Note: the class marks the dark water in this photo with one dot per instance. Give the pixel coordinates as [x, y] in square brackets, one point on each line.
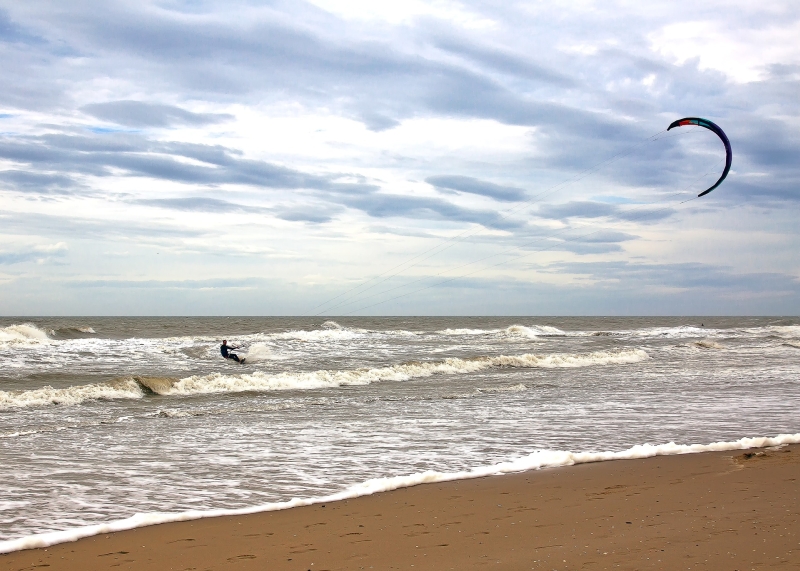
[101, 418]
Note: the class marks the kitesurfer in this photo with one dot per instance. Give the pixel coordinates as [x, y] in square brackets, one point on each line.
[225, 349]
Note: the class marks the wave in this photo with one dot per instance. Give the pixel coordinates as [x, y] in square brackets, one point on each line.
[467, 331]
[531, 331]
[510, 389]
[24, 333]
[73, 332]
[258, 381]
[534, 331]
[708, 344]
[138, 387]
[117, 389]
[534, 461]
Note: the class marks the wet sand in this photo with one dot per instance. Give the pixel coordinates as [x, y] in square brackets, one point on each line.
[719, 510]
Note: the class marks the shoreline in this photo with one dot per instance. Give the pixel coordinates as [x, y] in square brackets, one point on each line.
[534, 461]
[738, 507]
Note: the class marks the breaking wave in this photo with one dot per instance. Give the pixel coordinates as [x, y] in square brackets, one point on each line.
[118, 389]
[73, 332]
[532, 331]
[25, 333]
[534, 461]
[138, 387]
[258, 381]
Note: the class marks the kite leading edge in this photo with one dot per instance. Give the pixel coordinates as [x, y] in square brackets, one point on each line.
[711, 126]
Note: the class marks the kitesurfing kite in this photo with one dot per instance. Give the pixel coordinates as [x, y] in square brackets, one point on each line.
[711, 126]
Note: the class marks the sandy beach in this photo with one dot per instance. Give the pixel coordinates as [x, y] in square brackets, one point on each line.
[719, 510]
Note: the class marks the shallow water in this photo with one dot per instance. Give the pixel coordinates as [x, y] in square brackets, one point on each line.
[101, 418]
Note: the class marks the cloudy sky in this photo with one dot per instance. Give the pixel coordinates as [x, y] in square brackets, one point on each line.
[486, 157]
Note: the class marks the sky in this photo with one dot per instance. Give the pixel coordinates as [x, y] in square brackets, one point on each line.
[337, 157]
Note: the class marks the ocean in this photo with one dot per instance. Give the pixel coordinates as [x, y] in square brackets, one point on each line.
[104, 418]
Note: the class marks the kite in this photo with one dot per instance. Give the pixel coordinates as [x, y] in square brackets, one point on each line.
[711, 126]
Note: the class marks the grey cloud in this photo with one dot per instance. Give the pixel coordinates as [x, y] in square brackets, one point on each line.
[43, 183]
[100, 155]
[38, 254]
[476, 186]
[691, 276]
[381, 205]
[504, 61]
[107, 154]
[600, 242]
[71, 227]
[218, 283]
[586, 209]
[142, 114]
[12, 32]
[314, 213]
[197, 204]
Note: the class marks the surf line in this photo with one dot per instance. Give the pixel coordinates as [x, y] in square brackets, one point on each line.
[630, 216]
[448, 243]
[534, 461]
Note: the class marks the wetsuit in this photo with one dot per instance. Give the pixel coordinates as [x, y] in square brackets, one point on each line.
[225, 350]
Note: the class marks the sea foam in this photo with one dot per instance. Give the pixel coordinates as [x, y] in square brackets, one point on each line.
[534, 461]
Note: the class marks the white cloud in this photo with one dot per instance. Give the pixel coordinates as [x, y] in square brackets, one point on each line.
[742, 53]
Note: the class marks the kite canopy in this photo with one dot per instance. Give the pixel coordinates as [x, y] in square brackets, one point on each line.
[711, 126]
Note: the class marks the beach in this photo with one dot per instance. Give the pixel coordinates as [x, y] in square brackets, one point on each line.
[714, 510]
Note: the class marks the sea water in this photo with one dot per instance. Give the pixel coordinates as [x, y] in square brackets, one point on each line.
[105, 418]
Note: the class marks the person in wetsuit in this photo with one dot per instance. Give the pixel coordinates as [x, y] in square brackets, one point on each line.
[226, 351]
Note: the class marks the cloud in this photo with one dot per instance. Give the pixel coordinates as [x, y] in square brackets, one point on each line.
[39, 254]
[142, 114]
[110, 105]
[683, 276]
[380, 205]
[106, 154]
[587, 209]
[196, 204]
[476, 186]
[40, 183]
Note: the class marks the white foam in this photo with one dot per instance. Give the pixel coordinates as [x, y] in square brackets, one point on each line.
[531, 331]
[122, 389]
[536, 460]
[318, 335]
[257, 353]
[22, 333]
[467, 331]
[674, 332]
